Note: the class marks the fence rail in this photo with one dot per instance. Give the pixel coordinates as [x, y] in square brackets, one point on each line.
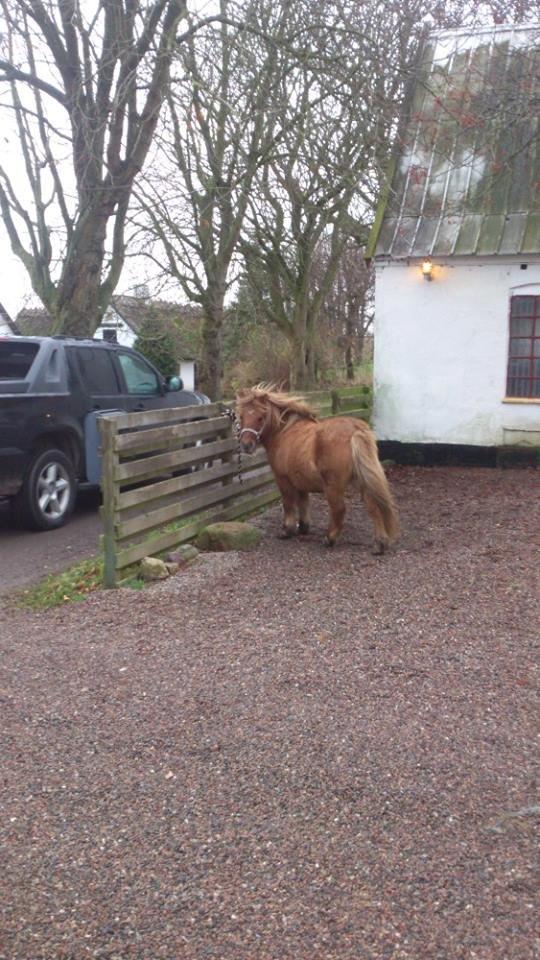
[168, 473]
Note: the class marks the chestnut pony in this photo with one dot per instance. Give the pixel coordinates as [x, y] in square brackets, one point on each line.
[308, 455]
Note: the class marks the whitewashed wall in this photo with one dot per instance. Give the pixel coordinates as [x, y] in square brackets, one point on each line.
[441, 354]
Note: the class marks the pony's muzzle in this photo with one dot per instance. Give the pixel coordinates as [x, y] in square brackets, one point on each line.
[248, 439]
[248, 446]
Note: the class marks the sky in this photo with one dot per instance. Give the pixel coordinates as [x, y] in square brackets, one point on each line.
[15, 288]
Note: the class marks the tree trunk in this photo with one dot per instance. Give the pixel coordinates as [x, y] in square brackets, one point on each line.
[303, 364]
[212, 335]
[78, 305]
[349, 352]
[303, 355]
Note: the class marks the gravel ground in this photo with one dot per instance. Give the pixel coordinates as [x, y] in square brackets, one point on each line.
[292, 753]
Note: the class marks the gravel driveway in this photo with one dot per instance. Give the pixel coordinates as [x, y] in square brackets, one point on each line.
[293, 753]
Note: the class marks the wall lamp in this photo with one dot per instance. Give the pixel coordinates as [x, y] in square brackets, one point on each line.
[427, 269]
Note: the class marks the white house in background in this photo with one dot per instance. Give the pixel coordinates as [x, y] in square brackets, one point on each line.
[456, 246]
[122, 323]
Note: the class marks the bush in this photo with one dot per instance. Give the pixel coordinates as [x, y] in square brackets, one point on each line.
[157, 344]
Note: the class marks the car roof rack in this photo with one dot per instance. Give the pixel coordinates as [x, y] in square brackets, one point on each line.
[69, 336]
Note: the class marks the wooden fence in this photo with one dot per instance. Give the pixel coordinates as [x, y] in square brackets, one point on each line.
[168, 473]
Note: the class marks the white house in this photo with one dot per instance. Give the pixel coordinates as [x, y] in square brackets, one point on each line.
[456, 246]
[122, 323]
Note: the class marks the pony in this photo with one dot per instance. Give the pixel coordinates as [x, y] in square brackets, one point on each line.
[308, 455]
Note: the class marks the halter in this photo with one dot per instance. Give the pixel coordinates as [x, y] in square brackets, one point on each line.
[256, 433]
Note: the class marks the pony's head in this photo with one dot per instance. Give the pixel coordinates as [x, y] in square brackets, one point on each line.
[263, 410]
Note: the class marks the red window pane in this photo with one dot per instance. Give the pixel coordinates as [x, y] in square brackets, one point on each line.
[519, 368]
[521, 326]
[520, 347]
[523, 306]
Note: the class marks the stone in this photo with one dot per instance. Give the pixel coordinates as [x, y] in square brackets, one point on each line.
[182, 555]
[388, 464]
[172, 567]
[231, 535]
[153, 569]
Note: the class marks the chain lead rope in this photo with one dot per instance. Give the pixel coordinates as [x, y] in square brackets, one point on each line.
[229, 412]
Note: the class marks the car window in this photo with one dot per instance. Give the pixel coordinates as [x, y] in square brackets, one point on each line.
[139, 376]
[16, 359]
[97, 371]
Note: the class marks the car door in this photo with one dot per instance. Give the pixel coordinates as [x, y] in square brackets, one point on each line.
[98, 377]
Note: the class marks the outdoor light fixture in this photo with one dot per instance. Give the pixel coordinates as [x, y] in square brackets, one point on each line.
[427, 269]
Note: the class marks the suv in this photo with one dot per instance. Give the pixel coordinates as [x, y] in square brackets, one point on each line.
[52, 390]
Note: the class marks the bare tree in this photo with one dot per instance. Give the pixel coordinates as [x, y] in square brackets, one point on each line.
[214, 137]
[322, 184]
[84, 84]
[347, 311]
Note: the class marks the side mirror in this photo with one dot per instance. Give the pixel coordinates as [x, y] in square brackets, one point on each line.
[174, 383]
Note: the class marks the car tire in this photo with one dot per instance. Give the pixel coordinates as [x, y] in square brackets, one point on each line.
[47, 497]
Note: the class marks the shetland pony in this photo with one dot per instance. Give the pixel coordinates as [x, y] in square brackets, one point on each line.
[308, 455]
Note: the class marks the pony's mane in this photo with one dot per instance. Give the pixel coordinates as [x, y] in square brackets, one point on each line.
[286, 405]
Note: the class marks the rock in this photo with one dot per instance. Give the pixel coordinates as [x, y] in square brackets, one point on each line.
[153, 569]
[172, 567]
[229, 536]
[182, 555]
[388, 464]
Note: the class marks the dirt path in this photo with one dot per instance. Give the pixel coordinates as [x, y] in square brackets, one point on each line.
[293, 753]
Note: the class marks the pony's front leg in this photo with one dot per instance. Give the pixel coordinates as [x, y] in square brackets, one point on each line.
[289, 499]
[303, 513]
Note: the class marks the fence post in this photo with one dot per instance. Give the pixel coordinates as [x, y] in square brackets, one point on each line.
[336, 402]
[108, 431]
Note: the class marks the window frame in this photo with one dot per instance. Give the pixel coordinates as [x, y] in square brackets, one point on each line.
[80, 352]
[532, 381]
[126, 352]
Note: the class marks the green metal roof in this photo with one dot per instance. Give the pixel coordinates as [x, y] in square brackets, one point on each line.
[465, 178]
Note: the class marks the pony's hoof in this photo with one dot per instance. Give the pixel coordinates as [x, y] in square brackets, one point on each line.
[379, 547]
[286, 534]
[328, 542]
[303, 528]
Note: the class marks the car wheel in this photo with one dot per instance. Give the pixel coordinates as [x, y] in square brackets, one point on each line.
[47, 497]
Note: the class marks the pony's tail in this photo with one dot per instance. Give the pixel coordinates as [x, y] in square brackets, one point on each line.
[371, 479]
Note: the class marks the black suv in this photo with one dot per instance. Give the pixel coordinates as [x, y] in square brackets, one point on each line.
[52, 390]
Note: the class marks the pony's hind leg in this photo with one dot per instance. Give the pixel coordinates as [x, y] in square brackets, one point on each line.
[381, 540]
[336, 501]
[303, 512]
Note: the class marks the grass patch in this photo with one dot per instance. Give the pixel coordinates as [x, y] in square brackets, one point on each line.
[75, 583]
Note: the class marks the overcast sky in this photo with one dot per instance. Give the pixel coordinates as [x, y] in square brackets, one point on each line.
[14, 282]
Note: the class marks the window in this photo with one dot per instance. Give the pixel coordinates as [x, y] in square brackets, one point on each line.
[97, 371]
[16, 359]
[139, 376]
[524, 348]
[109, 334]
